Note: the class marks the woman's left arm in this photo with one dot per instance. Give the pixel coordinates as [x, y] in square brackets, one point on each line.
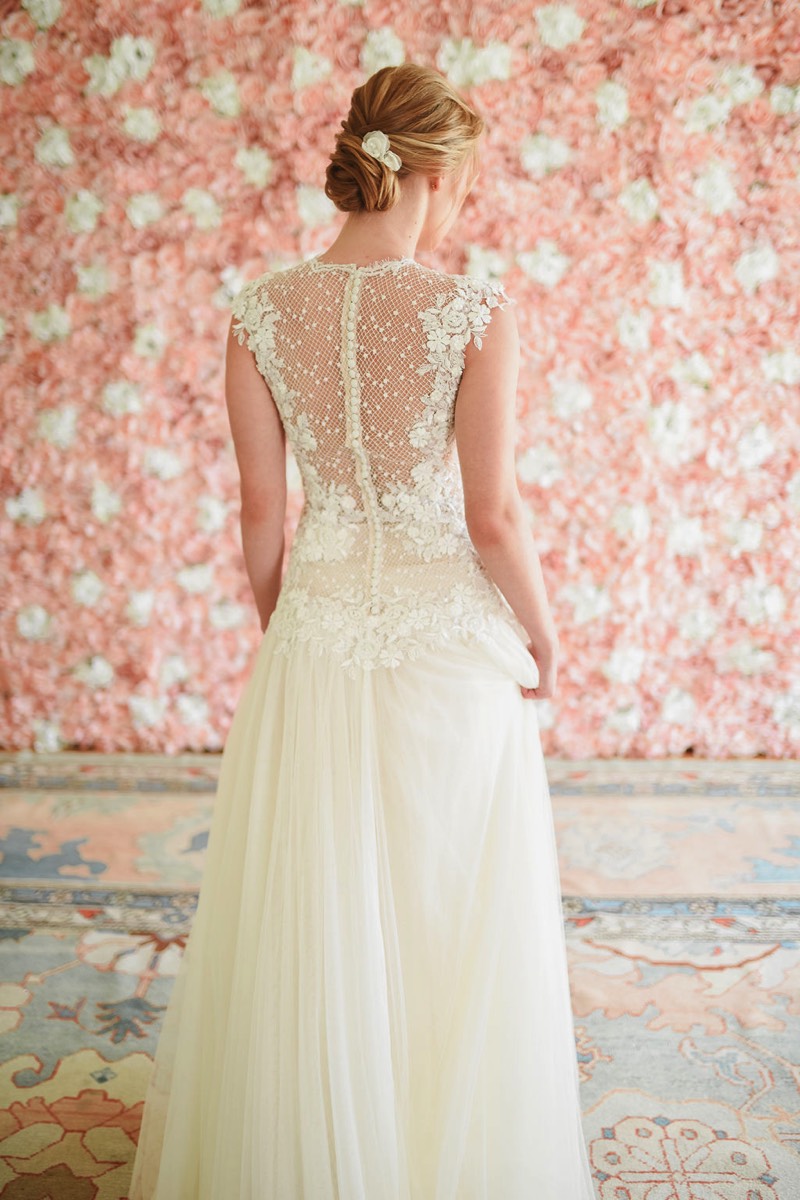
[260, 444]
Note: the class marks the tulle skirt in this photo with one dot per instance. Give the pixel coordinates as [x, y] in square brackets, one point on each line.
[373, 1003]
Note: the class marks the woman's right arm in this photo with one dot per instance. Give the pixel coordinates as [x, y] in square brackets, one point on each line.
[485, 431]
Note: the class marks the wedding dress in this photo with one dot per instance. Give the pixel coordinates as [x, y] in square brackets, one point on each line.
[373, 1002]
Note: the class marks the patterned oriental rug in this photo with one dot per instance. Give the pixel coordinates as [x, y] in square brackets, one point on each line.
[681, 900]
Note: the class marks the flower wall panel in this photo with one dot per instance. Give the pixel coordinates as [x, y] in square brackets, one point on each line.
[639, 199]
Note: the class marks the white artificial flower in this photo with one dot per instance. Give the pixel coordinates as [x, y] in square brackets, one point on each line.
[559, 25]
[540, 464]
[698, 623]
[546, 264]
[192, 709]
[106, 503]
[569, 397]
[678, 707]
[784, 99]
[149, 341]
[485, 263]
[34, 623]
[624, 664]
[173, 670]
[162, 463]
[28, 508]
[686, 537]
[740, 82]
[196, 577]
[760, 602]
[212, 514]
[782, 366]
[793, 490]
[16, 61]
[106, 75]
[313, 206]
[135, 55]
[714, 188]
[667, 288]
[87, 588]
[9, 209]
[541, 154]
[589, 600]
[745, 535]
[57, 425]
[380, 48]
[95, 671]
[755, 266]
[755, 446]
[707, 112]
[47, 736]
[632, 520]
[255, 164]
[53, 148]
[633, 329]
[143, 208]
[147, 711]
[627, 719]
[94, 280]
[43, 13]
[771, 515]
[670, 426]
[613, 109]
[226, 614]
[142, 124]
[203, 207]
[121, 396]
[640, 200]
[468, 65]
[222, 93]
[139, 608]
[693, 369]
[748, 659]
[786, 710]
[52, 324]
[308, 67]
[232, 283]
[221, 8]
[82, 210]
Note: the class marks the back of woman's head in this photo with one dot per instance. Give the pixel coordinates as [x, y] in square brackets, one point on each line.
[430, 127]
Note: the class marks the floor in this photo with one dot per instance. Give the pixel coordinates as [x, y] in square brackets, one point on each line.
[681, 900]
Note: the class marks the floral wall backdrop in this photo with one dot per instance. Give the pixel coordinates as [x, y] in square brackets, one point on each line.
[639, 198]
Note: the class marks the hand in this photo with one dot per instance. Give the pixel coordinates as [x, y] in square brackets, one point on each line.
[546, 659]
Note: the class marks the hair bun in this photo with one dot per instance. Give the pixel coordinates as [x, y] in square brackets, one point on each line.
[441, 134]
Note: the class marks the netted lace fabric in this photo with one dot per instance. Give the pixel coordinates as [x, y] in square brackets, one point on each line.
[364, 364]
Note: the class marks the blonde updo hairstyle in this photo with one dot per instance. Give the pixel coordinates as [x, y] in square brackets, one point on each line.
[430, 127]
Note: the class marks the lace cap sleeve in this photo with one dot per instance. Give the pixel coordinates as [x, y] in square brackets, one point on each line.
[245, 309]
[484, 295]
[256, 318]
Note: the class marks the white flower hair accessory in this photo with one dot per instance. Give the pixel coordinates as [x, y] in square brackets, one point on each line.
[377, 144]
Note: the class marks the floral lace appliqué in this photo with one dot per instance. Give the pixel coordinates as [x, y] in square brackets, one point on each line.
[381, 565]
[403, 628]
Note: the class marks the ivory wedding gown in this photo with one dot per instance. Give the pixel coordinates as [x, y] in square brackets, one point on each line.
[373, 1003]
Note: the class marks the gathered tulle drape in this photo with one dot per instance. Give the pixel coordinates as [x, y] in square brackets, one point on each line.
[374, 1003]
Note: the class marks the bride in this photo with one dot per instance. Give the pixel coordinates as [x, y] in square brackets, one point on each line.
[374, 1002]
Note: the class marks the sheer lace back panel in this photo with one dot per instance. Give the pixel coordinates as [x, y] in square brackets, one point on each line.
[364, 365]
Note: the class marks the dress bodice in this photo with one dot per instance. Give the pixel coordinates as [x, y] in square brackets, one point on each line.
[364, 365]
